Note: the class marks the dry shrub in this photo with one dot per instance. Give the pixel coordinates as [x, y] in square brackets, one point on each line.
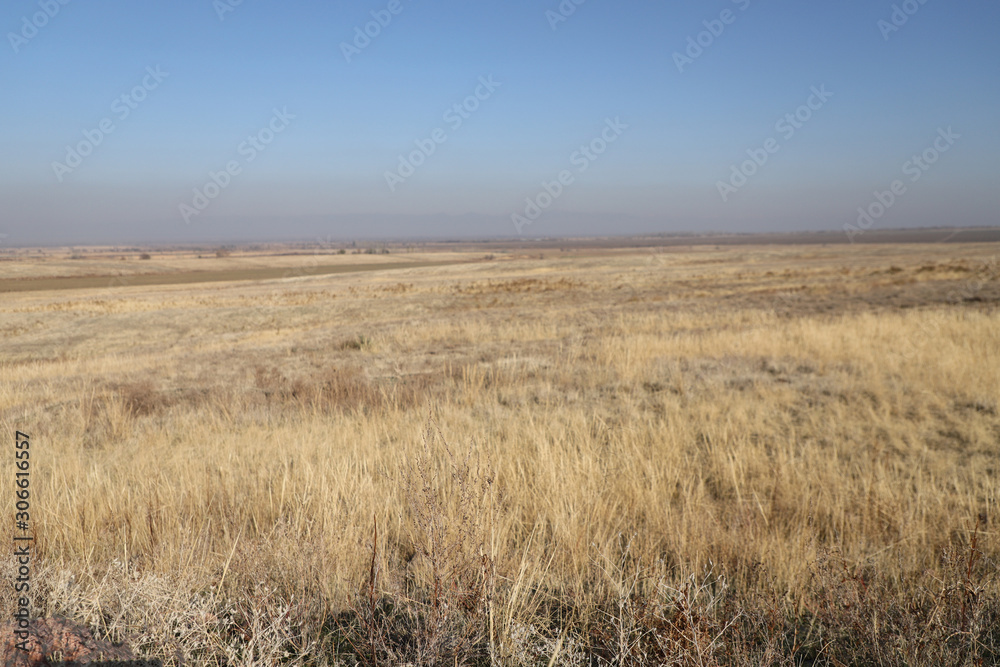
[107, 415]
[282, 570]
[439, 611]
[359, 342]
[142, 397]
[859, 616]
[182, 619]
[852, 616]
[643, 615]
[345, 388]
[158, 616]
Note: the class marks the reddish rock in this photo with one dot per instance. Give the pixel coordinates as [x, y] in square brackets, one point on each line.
[54, 641]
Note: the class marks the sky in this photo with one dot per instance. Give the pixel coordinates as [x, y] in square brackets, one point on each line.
[248, 120]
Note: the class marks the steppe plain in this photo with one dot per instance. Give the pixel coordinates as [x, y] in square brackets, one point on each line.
[704, 452]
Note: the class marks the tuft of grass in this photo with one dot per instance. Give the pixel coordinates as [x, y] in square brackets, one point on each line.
[359, 342]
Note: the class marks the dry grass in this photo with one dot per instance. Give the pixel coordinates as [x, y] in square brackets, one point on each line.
[745, 456]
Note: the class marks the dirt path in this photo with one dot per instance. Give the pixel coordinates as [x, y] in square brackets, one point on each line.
[189, 277]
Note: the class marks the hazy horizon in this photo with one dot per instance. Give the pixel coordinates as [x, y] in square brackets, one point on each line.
[212, 120]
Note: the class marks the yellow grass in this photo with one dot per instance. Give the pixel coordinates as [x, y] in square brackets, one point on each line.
[749, 410]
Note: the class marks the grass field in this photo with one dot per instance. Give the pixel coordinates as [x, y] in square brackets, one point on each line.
[733, 455]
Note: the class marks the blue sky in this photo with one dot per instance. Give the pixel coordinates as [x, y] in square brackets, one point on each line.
[677, 160]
